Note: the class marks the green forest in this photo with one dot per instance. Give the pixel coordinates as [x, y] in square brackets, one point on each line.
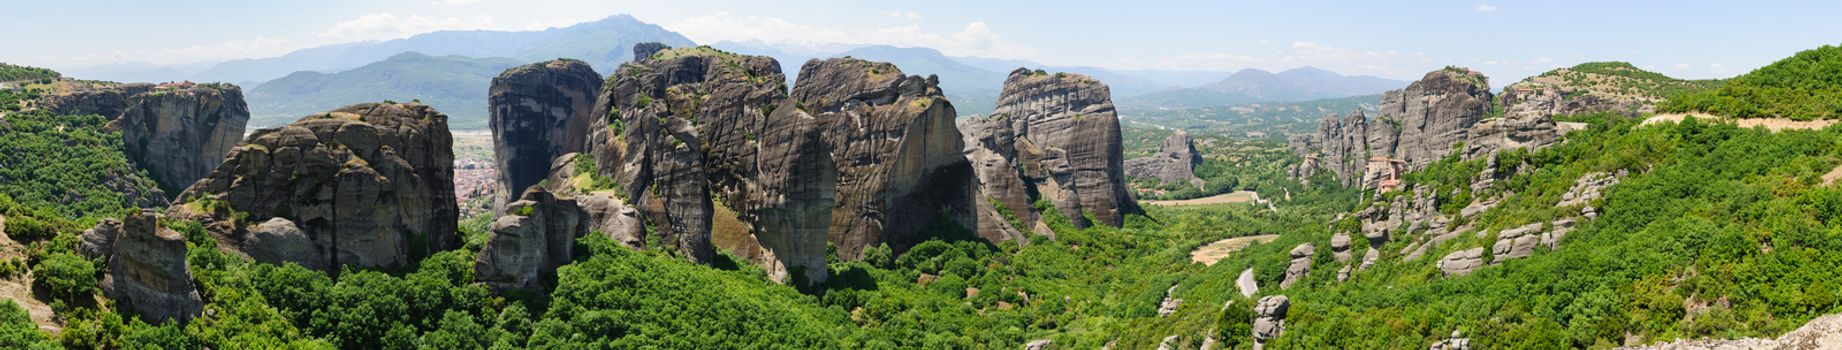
[1806, 86]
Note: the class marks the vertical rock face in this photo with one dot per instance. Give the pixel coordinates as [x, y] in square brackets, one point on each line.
[1059, 136]
[681, 126]
[895, 149]
[1175, 161]
[369, 185]
[1415, 127]
[148, 272]
[538, 112]
[178, 132]
[1300, 265]
[536, 235]
[606, 212]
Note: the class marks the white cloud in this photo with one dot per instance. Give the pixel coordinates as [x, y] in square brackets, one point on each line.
[975, 39]
[900, 14]
[1484, 8]
[379, 26]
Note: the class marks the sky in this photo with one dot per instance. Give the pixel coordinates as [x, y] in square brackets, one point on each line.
[1392, 39]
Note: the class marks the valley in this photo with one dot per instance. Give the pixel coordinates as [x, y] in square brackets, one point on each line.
[613, 184]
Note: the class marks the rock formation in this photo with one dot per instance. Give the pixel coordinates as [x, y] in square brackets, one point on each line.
[607, 212]
[178, 132]
[1594, 87]
[1270, 318]
[1170, 303]
[1414, 127]
[1055, 137]
[1301, 264]
[1175, 162]
[536, 235]
[895, 152]
[147, 268]
[1455, 342]
[680, 126]
[538, 112]
[368, 185]
[1462, 262]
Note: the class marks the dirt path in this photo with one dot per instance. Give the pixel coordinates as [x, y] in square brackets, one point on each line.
[19, 288]
[1213, 252]
[1773, 124]
[1231, 197]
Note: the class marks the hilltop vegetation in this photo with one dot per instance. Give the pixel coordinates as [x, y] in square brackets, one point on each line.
[1806, 86]
[1621, 78]
[10, 72]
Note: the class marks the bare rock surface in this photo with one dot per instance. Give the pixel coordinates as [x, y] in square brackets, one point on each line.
[1820, 333]
[1056, 135]
[539, 112]
[1462, 262]
[1301, 264]
[369, 185]
[148, 271]
[1270, 318]
[536, 235]
[1175, 162]
[178, 132]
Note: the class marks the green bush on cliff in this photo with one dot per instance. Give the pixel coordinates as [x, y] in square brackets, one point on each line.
[1803, 87]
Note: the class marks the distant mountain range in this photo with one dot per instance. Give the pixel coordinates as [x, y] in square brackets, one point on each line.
[455, 85]
[1254, 85]
[452, 71]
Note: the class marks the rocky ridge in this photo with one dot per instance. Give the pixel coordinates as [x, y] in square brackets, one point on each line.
[1175, 162]
[369, 185]
[178, 132]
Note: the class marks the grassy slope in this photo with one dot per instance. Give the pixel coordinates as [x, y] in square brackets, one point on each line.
[1806, 86]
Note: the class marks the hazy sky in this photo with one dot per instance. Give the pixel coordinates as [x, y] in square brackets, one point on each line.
[1394, 39]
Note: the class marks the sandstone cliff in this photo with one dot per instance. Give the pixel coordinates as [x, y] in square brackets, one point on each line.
[1415, 127]
[536, 235]
[368, 185]
[178, 132]
[147, 269]
[1055, 137]
[538, 112]
[1175, 162]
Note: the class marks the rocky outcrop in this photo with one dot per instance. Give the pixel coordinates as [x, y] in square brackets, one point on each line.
[1455, 342]
[607, 213]
[178, 132]
[1039, 344]
[1170, 303]
[538, 112]
[1594, 87]
[1414, 127]
[1175, 162]
[895, 151]
[645, 50]
[681, 134]
[148, 271]
[536, 235]
[1821, 333]
[1462, 262]
[1055, 137]
[1270, 318]
[368, 185]
[1300, 265]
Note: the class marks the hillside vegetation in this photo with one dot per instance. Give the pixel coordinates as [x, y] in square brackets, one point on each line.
[1806, 86]
[454, 84]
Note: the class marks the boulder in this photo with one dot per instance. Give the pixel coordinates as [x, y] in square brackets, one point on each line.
[1340, 246]
[98, 241]
[148, 272]
[369, 185]
[1039, 344]
[1453, 343]
[536, 235]
[1462, 262]
[1270, 318]
[1175, 162]
[1516, 243]
[538, 112]
[178, 132]
[1301, 264]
